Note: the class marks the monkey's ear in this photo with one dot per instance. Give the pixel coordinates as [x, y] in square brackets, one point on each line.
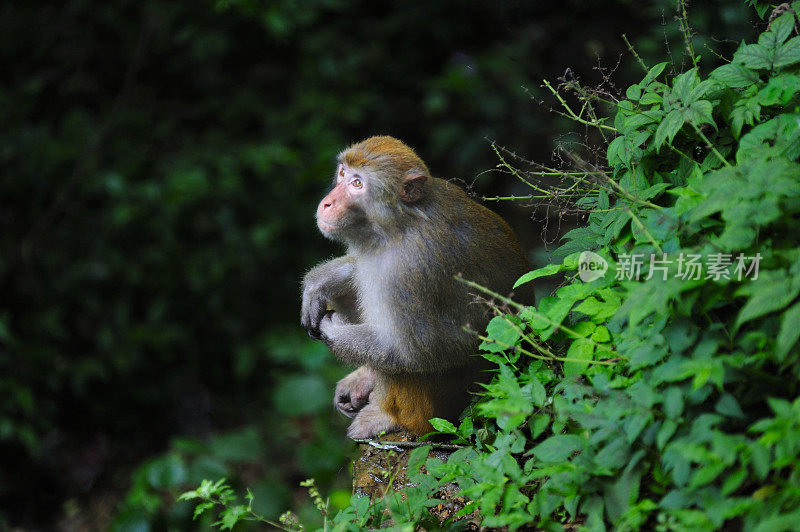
[412, 186]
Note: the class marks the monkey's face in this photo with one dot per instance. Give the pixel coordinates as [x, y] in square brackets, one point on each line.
[342, 209]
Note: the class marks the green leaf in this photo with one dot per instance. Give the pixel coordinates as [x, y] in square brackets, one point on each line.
[706, 474]
[779, 137]
[200, 508]
[581, 349]
[501, 334]
[417, 458]
[666, 432]
[769, 293]
[442, 425]
[700, 90]
[673, 402]
[619, 495]
[728, 406]
[653, 73]
[779, 90]
[787, 54]
[466, 427]
[538, 392]
[683, 85]
[789, 332]
[582, 329]
[735, 75]
[699, 113]
[550, 269]
[601, 335]
[733, 481]
[551, 312]
[614, 454]
[540, 423]
[558, 448]
[759, 458]
[633, 92]
[651, 98]
[668, 128]
[782, 27]
[231, 516]
[754, 56]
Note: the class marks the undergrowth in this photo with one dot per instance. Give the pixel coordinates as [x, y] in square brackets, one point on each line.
[657, 388]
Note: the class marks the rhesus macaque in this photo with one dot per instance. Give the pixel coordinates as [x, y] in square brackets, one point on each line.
[391, 305]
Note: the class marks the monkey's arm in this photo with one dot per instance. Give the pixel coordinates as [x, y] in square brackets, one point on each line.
[322, 286]
[433, 346]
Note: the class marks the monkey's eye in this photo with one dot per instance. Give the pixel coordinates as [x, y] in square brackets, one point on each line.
[341, 172]
[357, 183]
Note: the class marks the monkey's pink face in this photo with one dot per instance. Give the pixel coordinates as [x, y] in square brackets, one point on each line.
[340, 207]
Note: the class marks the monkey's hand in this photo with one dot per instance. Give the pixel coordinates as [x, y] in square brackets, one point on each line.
[331, 326]
[322, 287]
[353, 392]
[314, 308]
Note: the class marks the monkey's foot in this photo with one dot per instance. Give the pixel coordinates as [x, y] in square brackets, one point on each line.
[370, 422]
[353, 392]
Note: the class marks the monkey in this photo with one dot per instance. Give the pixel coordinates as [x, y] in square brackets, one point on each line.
[392, 305]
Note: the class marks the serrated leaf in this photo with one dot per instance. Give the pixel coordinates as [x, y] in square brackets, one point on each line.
[735, 75]
[684, 83]
[700, 90]
[782, 27]
[754, 56]
[651, 98]
[501, 334]
[668, 128]
[700, 113]
[200, 508]
[787, 54]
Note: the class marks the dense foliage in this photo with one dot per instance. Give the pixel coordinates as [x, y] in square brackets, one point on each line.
[663, 394]
[694, 426]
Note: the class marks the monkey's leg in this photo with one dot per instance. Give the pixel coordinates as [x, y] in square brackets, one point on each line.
[370, 422]
[353, 392]
[410, 400]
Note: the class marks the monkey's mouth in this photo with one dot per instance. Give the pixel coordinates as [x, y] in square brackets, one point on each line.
[326, 227]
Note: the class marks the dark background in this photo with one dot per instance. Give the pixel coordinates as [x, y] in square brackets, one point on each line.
[160, 163]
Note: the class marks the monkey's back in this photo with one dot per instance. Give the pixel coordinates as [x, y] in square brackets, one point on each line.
[490, 252]
[450, 235]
